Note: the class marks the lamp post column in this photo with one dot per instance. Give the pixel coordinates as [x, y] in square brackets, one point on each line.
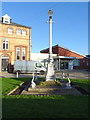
[50, 35]
[50, 67]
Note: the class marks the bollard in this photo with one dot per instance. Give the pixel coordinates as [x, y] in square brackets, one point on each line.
[17, 74]
[63, 74]
[67, 75]
[33, 76]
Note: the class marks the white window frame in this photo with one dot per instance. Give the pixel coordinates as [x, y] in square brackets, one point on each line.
[24, 32]
[17, 51]
[5, 44]
[23, 53]
[18, 32]
[6, 20]
[9, 30]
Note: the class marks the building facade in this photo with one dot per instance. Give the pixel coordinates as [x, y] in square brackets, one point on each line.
[68, 59]
[15, 42]
[41, 57]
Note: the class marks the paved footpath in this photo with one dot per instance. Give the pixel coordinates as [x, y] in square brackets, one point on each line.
[11, 75]
[75, 74]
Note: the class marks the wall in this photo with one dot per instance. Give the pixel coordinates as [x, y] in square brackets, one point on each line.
[42, 57]
[15, 41]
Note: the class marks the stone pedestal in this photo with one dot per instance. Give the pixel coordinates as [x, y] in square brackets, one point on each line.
[50, 72]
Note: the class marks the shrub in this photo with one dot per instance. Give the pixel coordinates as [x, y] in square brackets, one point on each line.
[42, 83]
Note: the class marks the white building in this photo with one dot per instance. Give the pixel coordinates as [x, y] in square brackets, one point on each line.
[58, 60]
[41, 57]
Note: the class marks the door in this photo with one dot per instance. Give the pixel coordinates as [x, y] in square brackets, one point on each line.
[70, 65]
[5, 63]
[64, 65]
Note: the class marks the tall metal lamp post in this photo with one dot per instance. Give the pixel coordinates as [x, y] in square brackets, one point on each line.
[50, 67]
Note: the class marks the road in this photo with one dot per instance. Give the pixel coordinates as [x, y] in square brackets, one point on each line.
[75, 74]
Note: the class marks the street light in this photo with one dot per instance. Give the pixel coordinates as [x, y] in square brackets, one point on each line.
[50, 67]
[50, 12]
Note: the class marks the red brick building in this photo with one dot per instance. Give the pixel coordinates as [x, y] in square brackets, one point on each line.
[79, 61]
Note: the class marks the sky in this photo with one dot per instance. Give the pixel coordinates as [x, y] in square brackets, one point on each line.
[70, 27]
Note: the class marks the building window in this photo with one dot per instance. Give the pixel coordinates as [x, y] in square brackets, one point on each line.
[5, 44]
[24, 32]
[6, 20]
[17, 53]
[38, 65]
[23, 53]
[76, 62]
[18, 32]
[9, 30]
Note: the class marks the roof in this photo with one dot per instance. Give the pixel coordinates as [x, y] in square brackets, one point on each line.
[63, 48]
[15, 24]
[71, 50]
[6, 15]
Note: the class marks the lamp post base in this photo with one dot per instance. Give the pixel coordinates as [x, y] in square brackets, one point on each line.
[50, 76]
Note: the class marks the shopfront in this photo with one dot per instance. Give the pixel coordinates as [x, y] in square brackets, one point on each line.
[62, 62]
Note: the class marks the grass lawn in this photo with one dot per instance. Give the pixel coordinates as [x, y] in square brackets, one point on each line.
[84, 83]
[26, 106]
